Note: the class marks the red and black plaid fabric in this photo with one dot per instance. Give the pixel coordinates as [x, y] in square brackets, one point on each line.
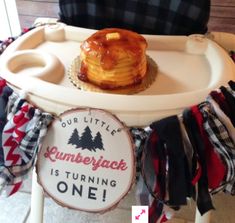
[22, 128]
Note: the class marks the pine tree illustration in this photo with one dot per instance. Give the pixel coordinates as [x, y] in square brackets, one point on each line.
[98, 143]
[74, 139]
[86, 141]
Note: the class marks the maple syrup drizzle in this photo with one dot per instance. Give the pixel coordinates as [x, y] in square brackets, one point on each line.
[109, 50]
[131, 42]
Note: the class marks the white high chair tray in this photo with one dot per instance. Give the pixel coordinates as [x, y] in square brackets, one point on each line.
[188, 69]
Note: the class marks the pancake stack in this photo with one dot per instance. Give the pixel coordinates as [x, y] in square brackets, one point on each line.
[113, 59]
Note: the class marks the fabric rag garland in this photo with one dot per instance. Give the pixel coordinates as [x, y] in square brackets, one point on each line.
[23, 127]
[191, 155]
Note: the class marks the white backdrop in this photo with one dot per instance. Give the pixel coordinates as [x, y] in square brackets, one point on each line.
[9, 20]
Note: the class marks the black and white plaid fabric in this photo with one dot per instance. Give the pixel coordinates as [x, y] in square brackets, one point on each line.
[35, 129]
[220, 139]
[159, 17]
[231, 90]
[29, 145]
[222, 117]
[5, 177]
[139, 136]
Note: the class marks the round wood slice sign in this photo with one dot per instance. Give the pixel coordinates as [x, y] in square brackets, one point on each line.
[86, 161]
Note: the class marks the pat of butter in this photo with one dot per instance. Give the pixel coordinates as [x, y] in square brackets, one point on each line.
[112, 36]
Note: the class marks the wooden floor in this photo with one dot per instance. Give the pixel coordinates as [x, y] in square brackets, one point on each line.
[222, 13]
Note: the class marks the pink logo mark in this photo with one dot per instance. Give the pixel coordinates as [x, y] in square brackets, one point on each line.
[137, 217]
[140, 214]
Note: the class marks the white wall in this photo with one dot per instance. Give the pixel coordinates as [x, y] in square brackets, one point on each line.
[9, 20]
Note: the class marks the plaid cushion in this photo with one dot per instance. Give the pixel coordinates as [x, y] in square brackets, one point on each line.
[162, 17]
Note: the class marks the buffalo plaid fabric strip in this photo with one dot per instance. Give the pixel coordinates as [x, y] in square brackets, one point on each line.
[22, 135]
[222, 117]
[139, 137]
[6, 92]
[219, 137]
[166, 17]
[151, 186]
[13, 104]
[30, 145]
[13, 133]
[231, 88]
[33, 138]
